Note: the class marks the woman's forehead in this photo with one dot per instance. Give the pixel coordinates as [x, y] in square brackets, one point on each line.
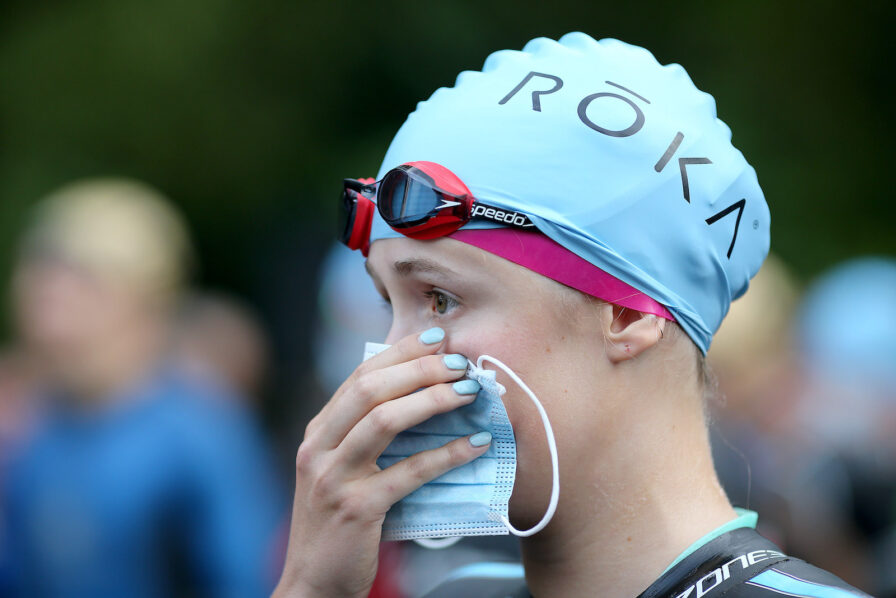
[440, 256]
[449, 260]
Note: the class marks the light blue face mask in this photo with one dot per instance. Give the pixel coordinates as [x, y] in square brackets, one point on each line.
[470, 500]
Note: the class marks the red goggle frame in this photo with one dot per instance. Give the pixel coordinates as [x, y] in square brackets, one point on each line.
[421, 200]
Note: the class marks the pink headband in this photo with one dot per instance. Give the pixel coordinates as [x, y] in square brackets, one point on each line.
[540, 254]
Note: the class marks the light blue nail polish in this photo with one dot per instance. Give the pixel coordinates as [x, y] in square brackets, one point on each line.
[466, 387]
[455, 361]
[432, 336]
[480, 439]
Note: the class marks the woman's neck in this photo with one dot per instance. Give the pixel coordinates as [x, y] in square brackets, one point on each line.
[623, 518]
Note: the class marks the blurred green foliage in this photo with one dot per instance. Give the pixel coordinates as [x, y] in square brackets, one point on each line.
[249, 113]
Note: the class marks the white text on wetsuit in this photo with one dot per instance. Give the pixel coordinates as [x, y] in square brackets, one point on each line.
[716, 577]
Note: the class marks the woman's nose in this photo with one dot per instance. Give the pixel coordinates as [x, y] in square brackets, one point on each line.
[402, 327]
[396, 332]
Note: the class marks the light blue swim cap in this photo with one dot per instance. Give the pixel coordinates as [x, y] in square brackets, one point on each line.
[615, 157]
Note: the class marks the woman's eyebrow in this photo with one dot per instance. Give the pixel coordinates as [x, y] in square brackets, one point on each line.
[415, 265]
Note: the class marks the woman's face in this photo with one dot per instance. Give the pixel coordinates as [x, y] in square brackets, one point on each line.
[547, 334]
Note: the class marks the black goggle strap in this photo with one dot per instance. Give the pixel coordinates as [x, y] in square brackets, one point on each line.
[359, 187]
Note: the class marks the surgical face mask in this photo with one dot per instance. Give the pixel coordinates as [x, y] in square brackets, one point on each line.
[470, 500]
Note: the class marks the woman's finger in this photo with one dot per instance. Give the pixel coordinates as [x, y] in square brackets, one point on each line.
[370, 437]
[375, 387]
[409, 347]
[406, 349]
[397, 481]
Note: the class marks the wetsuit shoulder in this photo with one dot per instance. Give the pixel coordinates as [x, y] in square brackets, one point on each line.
[743, 564]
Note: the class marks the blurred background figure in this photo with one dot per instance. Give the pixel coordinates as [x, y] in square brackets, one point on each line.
[135, 480]
[846, 333]
[17, 413]
[17, 410]
[218, 338]
[804, 429]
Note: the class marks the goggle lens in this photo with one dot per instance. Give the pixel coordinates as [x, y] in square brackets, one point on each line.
[407, 197]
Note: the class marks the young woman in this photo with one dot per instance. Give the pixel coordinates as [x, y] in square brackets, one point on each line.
[576, 211]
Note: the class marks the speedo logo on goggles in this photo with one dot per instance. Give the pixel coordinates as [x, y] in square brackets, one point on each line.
[514, 218]
[421, 200]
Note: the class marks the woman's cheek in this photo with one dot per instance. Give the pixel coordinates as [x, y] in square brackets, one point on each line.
[532, 487]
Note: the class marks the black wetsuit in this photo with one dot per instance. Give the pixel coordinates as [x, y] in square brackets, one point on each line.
[737, 564]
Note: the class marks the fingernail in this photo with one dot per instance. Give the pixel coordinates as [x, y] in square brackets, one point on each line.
[432, 336]
[455, 361]
[466, 387]
[480, 439]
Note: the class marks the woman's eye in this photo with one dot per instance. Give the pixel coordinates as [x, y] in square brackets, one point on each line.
[441, 302]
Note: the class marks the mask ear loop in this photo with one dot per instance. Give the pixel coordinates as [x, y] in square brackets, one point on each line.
[552, 447]
[438, 543]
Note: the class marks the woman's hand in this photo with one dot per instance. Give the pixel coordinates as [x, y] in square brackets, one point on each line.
[341, 494]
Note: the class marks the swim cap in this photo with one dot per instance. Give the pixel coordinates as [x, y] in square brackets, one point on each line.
[846, 327]
[618, 159]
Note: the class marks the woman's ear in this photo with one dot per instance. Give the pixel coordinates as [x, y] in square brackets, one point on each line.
[629, 332]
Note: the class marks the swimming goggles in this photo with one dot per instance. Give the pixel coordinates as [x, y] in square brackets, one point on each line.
[421, 200]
